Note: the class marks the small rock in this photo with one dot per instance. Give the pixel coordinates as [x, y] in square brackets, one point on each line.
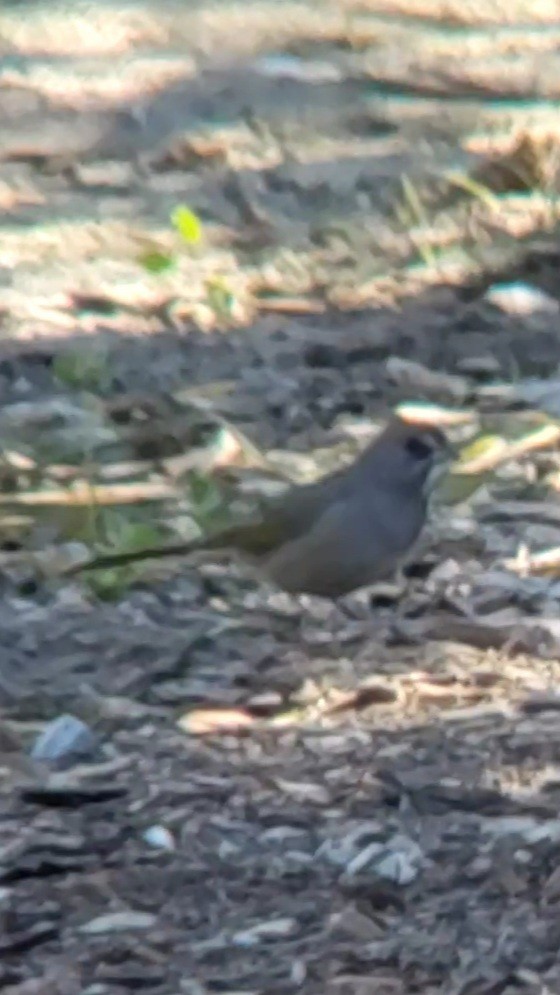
[446, 572]
[291, 67]
[160, 838]
[521, 299]
[397, 861]
[342, 852]
[479, 868]
[397, 867]
[119, 922]
[64, 740]
[364, 859]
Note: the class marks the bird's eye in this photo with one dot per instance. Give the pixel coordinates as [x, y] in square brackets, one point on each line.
[418, 448]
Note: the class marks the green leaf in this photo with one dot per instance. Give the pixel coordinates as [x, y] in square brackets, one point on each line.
[110, 585]
[457, 488]
[138, 535]
[156, 262]
[126, 534]
[82, 368]
[207, 499]
[482, 446]
[220, 298]
[123, 536]
[187, 223]
[203, 490]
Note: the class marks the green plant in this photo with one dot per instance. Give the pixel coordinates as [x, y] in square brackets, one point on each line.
[113, 530]
[187, 224]
[412, 214]
[83, 368]
[156, 262]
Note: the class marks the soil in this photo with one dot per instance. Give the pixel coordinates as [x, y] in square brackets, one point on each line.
[282, 794]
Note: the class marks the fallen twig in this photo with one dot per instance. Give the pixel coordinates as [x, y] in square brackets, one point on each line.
[503, 451]
[83, 494]
[547, 562]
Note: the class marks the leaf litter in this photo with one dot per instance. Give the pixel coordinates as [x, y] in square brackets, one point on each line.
[290, 794]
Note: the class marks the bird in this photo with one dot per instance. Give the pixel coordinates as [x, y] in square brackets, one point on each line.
[345, 531]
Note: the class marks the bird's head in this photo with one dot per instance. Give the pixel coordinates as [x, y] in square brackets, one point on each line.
[409, 455]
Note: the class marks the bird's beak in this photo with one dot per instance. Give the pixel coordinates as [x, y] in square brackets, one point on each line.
[444, 458]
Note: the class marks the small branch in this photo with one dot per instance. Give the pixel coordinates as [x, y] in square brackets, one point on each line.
[84, 494]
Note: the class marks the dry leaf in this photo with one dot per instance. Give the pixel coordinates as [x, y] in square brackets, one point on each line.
[304, 791]
[203, 721]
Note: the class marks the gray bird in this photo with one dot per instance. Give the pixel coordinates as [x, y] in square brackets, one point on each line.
[343, 532]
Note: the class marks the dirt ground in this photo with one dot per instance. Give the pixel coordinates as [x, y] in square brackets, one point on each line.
[282, 794]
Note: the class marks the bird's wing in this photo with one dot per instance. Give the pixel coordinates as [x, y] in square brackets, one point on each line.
[335, 557]
[281, 521]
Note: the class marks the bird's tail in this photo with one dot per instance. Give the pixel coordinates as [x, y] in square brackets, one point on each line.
[108, 561]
